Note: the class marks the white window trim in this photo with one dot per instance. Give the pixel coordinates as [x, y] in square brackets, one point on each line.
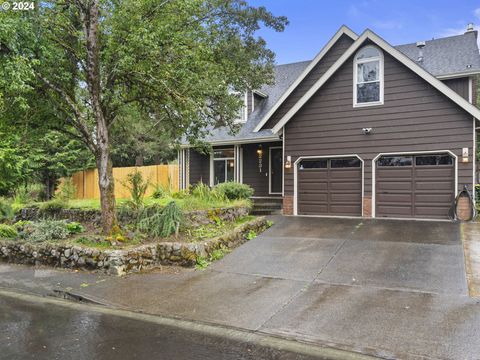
[270, 171]
[374, 168]
[380, 76]
[244, 117]
[212, 162]
[295, 181]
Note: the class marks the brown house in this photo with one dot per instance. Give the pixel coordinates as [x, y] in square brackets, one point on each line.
[364, 129]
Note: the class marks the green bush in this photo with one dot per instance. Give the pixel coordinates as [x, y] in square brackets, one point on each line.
[137, 187]
[52, 206]
[182, 194]
[6, 210]
[159, 192]
[206, 193]
[235, 191]
[161, 222]
[48, 230]
[67, 191]
[7, 231]
[75, 227]
[20, 225]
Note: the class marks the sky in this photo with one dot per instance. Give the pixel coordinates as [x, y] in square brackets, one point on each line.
[313, 22]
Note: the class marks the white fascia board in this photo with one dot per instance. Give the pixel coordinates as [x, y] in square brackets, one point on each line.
[343, 30]
[458, 75]
[368, 34]
[259, 93]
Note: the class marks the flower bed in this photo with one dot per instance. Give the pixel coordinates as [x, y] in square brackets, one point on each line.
[131, 259]
[193, 218]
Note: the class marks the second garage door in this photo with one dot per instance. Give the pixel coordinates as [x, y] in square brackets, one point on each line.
[330, 187]
[415, 186]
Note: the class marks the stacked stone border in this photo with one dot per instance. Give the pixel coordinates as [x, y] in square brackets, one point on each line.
[123, 261]
[193, 218]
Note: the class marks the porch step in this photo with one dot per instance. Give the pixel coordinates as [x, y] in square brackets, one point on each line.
[267, 206]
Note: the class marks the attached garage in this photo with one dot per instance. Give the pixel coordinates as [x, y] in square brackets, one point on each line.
[329, 186]
[414, 185]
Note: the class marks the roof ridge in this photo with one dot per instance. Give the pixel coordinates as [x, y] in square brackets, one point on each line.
[293, 63]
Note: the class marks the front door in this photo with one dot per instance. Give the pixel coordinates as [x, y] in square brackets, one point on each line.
[276, 167]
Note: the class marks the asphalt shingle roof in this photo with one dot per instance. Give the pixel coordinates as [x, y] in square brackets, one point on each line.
[285, 75]
[444, 56]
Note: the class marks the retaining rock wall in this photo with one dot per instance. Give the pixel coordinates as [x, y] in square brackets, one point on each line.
[120, 262]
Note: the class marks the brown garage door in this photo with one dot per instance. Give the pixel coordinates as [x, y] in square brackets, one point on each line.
[415, 186]
[330, 187]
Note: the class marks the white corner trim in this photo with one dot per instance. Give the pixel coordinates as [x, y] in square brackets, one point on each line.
[470, 90]
[374, 168]
[368, 34]
[295, 175]
[343, 30]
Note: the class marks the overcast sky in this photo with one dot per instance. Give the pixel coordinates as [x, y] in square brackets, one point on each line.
[313, 22]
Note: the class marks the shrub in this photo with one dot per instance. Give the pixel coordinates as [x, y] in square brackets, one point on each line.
[68, 190]
[75, 227]
[6, 210]
[159, 192]
[235, 191]
[137, 187]
[206, 193]
[52, 206]
[20, 225]
[48, 230]
[182, 194]
[7, 231]
[161, 223]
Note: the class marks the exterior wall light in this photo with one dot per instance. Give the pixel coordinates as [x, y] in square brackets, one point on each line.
[288, 163]
[366, 131]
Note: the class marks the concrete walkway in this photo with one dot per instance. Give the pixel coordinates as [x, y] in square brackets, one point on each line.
[393, 289]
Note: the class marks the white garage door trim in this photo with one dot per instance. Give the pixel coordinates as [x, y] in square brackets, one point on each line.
[295, 178]
[374, 161]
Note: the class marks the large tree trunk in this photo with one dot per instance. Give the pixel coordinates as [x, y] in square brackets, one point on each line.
[107, 190]
[104, 162]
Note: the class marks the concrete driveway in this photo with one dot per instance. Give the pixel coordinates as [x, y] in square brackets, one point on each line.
[388, 288]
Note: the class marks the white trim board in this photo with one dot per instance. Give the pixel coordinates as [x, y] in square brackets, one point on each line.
[382, 44]
[374, 169]
[343, 30]
[295, 176]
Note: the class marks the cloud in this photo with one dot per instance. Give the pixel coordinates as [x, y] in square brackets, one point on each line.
[476, 12]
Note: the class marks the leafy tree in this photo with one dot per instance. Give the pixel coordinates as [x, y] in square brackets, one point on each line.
[13, 165]
[179, 61]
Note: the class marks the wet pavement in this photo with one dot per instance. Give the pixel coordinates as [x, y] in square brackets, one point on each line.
[389, 288]
[38, 330]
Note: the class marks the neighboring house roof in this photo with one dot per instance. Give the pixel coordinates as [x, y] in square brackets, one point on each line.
[412, 65]
[284, 75]
[447, 57]
[443, 58]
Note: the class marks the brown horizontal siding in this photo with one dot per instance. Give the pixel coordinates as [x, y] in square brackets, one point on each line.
[199, 167]
[251, 172]
[460, 86]
[342, 44]
[414, 117]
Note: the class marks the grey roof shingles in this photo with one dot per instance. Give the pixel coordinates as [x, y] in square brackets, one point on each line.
[443, 56]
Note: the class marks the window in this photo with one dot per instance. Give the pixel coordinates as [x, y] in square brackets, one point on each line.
[426, 160]
[313, 164]
[223, 165]
[368, 77]
[242, 112]
[345, 163]
[395, 161]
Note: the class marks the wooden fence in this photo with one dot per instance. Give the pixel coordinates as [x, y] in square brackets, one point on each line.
[86, 182]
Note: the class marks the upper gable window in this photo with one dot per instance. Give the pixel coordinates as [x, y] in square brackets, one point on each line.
[368, 77]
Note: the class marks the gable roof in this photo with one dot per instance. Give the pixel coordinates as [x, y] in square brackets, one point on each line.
[344, 30]
[447, 57]
[284, 76]
[399, 56]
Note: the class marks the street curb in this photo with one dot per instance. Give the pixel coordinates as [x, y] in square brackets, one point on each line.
[245, 336]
